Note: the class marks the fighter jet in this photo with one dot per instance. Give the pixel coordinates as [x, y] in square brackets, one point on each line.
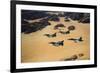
[76, 40]
[64, 32]
[58, 43]
[50, 35]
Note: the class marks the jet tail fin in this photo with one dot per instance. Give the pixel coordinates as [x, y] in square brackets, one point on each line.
[62, 43]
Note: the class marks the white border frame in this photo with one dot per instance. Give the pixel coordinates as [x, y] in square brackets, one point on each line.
[20, 65]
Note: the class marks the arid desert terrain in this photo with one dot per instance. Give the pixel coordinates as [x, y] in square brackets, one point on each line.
[36, 47]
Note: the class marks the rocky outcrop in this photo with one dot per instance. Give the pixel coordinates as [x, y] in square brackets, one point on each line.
[53, 18]
[85, 19]
[71, 28]
[58, 25]
[33, 27]
[81, 17]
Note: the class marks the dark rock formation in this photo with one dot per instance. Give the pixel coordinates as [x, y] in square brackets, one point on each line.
[85, 19]
[53, 18]
[74, 57]
[67, 20]
[33, 14]
[33, 27]
[81, 54]
[73, 15]
[70, 28]
[64, 32]
[81, 17]
[61, 15]
[44, 20]
[58, 25]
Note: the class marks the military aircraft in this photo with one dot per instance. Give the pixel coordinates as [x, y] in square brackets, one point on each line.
[58, 43]
[76, 40]
[50, 35]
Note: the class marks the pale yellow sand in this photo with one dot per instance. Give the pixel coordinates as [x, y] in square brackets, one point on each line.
[35, 47]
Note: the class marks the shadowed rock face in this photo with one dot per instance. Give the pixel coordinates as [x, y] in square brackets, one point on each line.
[81, 17]
[70, 28]
[33, 27]
[53, 18]
[67, 20]
[85, 19]
[74, 57]
[32, 14]
[64, 32]
[58, 25]
[61, 15]
[73, 15]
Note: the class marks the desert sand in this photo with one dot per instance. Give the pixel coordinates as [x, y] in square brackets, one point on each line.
[36, 47]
